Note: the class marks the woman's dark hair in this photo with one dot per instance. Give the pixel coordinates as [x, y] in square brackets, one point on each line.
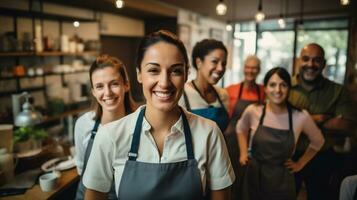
[204, 47]
[160, 36]
[281, 72]
[102, 62]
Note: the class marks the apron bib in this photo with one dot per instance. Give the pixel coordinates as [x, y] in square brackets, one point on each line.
[179, 180]
[81, 188]
[218, 115]
[266, 176]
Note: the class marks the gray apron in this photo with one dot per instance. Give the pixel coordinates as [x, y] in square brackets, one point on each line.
[81, 188]
[266, 176]
[231, 140]
[179, 180]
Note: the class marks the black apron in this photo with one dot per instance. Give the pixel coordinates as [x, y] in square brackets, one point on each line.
[231, 140]
[81, 188]
[266, 176]
[218, 115]
[179, 180]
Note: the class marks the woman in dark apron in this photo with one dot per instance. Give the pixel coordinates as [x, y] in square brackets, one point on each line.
[137, 155]
[110, 88]
[209, 58]
[270, 169]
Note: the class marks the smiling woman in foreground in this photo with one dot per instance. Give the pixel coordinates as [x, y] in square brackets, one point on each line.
[160, 151]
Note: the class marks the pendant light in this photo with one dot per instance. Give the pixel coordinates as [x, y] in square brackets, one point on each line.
[260, 16]
[28, 116]
[119, 3]
[281, 20]
[229, 27]
[76, 24]
[345, 2]
[221, 8]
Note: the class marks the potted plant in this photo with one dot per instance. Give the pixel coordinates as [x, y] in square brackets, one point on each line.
[28, 138]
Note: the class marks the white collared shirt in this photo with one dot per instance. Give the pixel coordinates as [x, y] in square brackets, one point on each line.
[112, 144]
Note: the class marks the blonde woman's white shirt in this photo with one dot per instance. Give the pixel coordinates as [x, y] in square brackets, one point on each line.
[82, 132]
[197, 102]
[112, 144]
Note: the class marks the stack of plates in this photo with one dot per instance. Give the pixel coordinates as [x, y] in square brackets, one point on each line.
[58, 164]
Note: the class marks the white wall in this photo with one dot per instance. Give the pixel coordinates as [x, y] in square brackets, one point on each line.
[201, 27]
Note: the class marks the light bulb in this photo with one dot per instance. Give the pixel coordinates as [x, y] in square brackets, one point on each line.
[281, 23]
[229, 27]
[76, 24]
[259, 16]
[345, 2]
[119, 3]
[221, 8]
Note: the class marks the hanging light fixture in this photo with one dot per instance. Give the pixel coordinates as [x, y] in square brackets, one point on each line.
[221, 8]
[281, 20]
[76, 24]
[28, 116]
[345, 2]
[229, 27]
[260, 15]
[119, 3]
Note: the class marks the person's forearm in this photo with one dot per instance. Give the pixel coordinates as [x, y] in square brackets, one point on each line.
[243, 143]
[307, 156]
[338, 123]
[94, 195]
[223, 194]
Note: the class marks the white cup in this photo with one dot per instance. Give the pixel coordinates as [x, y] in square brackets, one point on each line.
[48, 182]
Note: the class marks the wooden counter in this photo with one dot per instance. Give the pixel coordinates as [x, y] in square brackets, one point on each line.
[67, 181]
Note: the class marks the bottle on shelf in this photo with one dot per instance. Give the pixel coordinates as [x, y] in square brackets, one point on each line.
[38, 38]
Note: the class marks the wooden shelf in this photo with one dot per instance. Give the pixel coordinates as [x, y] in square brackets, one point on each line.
[9, 93]
[47, 53]
[45, 74]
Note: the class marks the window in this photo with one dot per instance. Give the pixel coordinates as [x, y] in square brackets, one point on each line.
[277, 47]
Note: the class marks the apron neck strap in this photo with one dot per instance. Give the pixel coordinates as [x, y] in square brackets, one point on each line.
[90, 144]
[261, 120]
[215, 92]
[95, 128]
[241, 90]
[289, 112]
[133, 153]
[187, 103]
[290, 117]
[188, 137]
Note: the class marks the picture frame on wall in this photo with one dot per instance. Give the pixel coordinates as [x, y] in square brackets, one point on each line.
[216, 34]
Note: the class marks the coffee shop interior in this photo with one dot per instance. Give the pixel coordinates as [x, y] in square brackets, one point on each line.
[47, 47]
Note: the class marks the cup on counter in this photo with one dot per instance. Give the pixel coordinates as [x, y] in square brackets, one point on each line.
[48, 181]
